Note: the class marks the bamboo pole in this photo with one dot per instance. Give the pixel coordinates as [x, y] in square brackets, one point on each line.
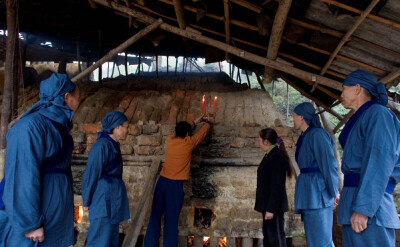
[227, 48]
[144, 204]
[343, 121]
[126, 67]
[346, 38]
[317, 101]
[118, 49]
[276, 36]
[227, 30]
[357, 11]
[329, 128]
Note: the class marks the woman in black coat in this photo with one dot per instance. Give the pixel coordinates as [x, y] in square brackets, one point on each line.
[271, 198]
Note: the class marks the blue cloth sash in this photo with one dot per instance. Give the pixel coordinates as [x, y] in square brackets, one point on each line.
[352, 180]
[349, 125]
[113, 164]
[310, 170]
[300, 142]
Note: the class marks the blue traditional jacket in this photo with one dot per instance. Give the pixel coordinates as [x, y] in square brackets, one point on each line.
[102, 186]
[315, 190]
[372, 150]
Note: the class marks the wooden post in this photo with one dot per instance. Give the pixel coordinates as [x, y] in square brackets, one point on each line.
[176, 64]
[78, 55]
[219, 64]
[142, 207]
[260, 82]
[11, 76]
[157, 65]
[118, 49]
[126, 67]
[248, 79]
[139, 63]
[228, 48]
[100, 54]
[275, 38]
[329, 128]
[179, 14]
[167, 65]
[287, 102]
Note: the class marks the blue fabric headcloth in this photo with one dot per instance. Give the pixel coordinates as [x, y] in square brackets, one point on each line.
[307, 110]
[112, 120]
[52, 91]
[369, 82]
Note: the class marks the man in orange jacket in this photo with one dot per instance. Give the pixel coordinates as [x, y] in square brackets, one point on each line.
[168, 195]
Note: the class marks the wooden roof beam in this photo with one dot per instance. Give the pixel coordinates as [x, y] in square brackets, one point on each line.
[179, 14]
[346, 37]
[227, 30]
[357, 11]
[276, 36]
[317, 101]
[389, 79]
[227, 48]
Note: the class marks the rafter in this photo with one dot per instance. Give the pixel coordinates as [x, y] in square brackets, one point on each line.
[227, 30]
[227, 48]
[389, 79]
[317, 101]
[276, 36]
[347, 36]
[179, 14]
[357, 11]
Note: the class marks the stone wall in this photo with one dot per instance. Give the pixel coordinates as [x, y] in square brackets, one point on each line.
[224, 165]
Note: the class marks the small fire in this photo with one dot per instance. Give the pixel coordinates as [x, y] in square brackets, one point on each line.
[78, 214]
[206, 240]
[222, 242]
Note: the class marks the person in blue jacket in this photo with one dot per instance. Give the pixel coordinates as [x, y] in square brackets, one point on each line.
[317, 184]
[371, 165]
[38, 196]
[103, 191]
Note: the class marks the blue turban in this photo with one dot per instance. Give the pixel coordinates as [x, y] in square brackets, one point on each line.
[369, 82]
[307, 110]
[112, 120]
[52, 91]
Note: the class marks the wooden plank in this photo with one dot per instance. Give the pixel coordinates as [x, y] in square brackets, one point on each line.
[114, 52]
[357, 11]
[388, 79]
[346, 38]
[137, 219]
[276, 36]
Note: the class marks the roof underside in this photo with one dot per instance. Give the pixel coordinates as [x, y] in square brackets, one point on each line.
[313, 30]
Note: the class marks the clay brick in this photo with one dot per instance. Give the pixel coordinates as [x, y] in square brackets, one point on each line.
[142, 150]
[90, 128]
[146, 140]
[126, 149]
[134, 129]
[150, 129]
[238, 142]
[282, 131]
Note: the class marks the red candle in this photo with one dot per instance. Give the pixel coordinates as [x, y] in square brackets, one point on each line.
[215, 104]
[202, 104]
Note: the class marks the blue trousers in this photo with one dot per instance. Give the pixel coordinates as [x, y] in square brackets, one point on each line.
[167, 201]
[371, 237]
[102, 233]
[318, 226]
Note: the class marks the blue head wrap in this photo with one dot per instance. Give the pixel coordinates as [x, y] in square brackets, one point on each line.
[307, 110]
[369, 82]
[52, 103]
[112, 120]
